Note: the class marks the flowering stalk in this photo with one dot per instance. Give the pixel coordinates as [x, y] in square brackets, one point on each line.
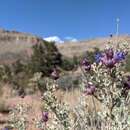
[59, 110]
[107, 81]
[18, 117]
[56, 107]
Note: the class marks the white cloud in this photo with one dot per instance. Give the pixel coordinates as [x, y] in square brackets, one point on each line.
[59, 40]
[71, 39]
[54, 39]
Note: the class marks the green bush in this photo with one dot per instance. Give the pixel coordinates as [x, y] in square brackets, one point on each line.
[44, 58]
[5, 73]
[76, 61]
[67, 64]
[18, 67]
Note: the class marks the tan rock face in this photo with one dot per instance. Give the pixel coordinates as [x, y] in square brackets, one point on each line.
[71, 49]
[14, 44]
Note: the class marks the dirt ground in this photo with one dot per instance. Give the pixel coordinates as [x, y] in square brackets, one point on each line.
[34, 101]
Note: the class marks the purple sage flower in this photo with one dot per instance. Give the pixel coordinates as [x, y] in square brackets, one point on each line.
[86, 64]
[45, 117]
[90, 89]
[55, 74]
[5, 129]
[98, 57]
[110, 58]
[110, 63]
[87, 67]
[109, 53]
[84, 61]
[107, 57]
[119, 56]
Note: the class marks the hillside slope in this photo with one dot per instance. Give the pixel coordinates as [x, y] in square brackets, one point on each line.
[77, 48]
[15, 45]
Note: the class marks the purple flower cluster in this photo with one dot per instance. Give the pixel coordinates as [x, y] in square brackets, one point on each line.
[109, 58]
[98, 57]
[55, 74]
[86, 65]
[45, 117]
[90, 89]
[5, 129]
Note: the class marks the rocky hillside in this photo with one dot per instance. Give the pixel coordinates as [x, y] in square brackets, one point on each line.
[15, 45]
[76, 48]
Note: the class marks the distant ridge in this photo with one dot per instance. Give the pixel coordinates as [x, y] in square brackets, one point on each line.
[70, 49]
[17, 45]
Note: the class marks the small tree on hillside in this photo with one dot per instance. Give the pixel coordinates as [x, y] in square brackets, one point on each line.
[45, 57]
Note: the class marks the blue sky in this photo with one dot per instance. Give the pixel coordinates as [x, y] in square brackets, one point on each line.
[81, 19]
